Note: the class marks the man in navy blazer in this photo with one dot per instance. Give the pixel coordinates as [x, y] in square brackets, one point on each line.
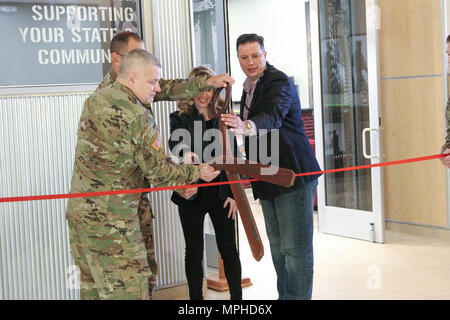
[270, 107]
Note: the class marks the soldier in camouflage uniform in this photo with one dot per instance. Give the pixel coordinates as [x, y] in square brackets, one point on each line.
[446, 147]
[171, 90]
[119, 148]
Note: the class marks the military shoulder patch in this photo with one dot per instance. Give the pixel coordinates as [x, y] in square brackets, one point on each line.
[157, 143]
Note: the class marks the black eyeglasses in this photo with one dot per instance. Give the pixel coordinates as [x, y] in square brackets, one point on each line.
[119, 53]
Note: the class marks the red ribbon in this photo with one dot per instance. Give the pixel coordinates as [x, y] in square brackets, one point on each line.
[115, 192]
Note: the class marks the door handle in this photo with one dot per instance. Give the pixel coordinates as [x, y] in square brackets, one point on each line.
[364, 144]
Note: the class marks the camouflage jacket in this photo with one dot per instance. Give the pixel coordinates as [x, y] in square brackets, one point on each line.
[118, 148]
[447, 118]
[171, 90]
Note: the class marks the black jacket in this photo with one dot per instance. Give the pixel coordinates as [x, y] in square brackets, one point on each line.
[276, 105]
[211, 195]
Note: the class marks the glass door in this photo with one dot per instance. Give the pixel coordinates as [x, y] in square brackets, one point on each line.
[349, 203]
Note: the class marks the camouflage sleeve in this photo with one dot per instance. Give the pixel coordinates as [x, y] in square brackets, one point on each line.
[447, 118]
[181, 89]
[159, 170]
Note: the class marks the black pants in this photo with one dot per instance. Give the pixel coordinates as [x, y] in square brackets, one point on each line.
[192, 217]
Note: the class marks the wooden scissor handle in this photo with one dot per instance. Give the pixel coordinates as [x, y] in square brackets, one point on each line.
[245, 211]
[213, 105]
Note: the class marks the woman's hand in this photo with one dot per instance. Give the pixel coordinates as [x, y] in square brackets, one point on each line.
[233, 208]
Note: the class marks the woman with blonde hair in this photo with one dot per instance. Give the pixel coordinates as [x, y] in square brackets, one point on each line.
[194, 203]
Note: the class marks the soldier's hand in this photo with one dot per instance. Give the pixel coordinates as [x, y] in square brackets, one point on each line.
[446, 161]
[207, 172]
[188, 193]
[220, 81]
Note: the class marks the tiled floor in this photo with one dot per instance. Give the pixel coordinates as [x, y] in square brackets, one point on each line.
[409, 265]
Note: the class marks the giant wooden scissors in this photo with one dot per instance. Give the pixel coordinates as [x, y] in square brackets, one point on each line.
[234, 169]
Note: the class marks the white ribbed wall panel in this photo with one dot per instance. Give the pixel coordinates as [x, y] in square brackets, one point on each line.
[172, 45]
[37, 143]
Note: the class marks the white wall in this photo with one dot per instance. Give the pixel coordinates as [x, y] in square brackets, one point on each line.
[448, 16]
[282, 24]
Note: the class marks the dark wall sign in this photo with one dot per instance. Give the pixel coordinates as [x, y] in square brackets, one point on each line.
[63, 42]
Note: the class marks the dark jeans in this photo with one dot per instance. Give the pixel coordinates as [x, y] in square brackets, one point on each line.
[289, 227]
[192, 217]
